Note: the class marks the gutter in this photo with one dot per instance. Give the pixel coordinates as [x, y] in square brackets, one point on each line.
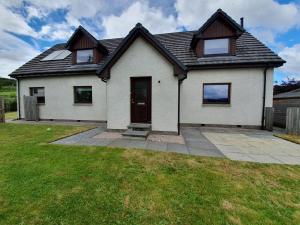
[264, 99]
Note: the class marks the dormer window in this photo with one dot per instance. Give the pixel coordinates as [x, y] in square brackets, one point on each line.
[85, 48]
[216, 46]
[217, 36]
[85, 56]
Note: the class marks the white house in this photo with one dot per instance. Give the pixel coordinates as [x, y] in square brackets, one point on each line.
[217, 75]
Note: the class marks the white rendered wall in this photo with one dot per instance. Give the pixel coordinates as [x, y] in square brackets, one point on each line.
[246, 97]
[59, 97]
[142, 60]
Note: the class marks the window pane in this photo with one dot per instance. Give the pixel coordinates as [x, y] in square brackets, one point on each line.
[83, 94]
[39, 92]
[216, 46]
[216, 93]
[85, 56]
[141, 91]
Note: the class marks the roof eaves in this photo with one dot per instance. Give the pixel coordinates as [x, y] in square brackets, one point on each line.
[53, 73]
[234, 65]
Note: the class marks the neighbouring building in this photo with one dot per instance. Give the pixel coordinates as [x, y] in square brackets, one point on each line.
[283, 101]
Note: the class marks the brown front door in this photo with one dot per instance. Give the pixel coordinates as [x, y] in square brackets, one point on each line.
[140, 99]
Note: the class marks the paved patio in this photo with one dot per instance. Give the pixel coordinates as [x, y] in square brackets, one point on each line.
[193, 142]
[263, 148]
[233, 143]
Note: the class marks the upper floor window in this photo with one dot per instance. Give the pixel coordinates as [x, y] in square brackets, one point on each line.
[216, 46]
[85, 56]
[39, 92]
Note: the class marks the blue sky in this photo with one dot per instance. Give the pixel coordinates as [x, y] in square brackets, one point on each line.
[29, 27]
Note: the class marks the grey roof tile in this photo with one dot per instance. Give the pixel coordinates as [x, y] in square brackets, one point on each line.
[248, 50]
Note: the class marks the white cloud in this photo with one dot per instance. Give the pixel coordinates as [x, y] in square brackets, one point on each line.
[264, 17]
[292, 56]
[13, 22]
[13, 53]
[59, 31]
[152, 18]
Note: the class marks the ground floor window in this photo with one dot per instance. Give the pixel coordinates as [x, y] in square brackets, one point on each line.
[39, 92]
[216, 93]
[83, 94]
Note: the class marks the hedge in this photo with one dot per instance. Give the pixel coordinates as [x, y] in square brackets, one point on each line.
[10, 104]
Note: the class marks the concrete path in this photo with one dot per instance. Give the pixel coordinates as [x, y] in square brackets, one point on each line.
[255, 147]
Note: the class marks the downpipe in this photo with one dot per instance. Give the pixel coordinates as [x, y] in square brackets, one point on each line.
[264, 99]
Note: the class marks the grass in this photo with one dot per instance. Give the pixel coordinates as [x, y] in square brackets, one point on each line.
[289, 137]
[8, 91]
[11, 115]
[42, 183]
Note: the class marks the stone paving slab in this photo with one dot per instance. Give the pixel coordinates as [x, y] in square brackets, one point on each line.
[156, 146]
[176, 139]
[178, 148]
[264, 148]
[205, 152]
[109, 135]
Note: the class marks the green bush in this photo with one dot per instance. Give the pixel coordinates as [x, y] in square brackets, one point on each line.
[10, 104]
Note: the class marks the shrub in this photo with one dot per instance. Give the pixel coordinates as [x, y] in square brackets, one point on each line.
[10, 104]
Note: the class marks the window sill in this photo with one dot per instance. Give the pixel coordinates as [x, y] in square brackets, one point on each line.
[85, 63]
[40, 104]
[83, 104]
[216, 55]
[217, 104]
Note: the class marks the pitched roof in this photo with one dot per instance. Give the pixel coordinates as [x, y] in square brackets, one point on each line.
[225, 16]
[290, 94]
[140, 31]
[218, 14]
[249, 51]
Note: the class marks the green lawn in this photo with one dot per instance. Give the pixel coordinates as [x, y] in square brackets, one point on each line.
[42, 183]
[289, 137]
[11, 115]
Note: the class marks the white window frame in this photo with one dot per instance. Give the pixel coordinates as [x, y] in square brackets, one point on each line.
[85, 50]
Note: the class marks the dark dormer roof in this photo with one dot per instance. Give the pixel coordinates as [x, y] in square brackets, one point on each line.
[219, 14]
[139, 31]
[81, 31]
